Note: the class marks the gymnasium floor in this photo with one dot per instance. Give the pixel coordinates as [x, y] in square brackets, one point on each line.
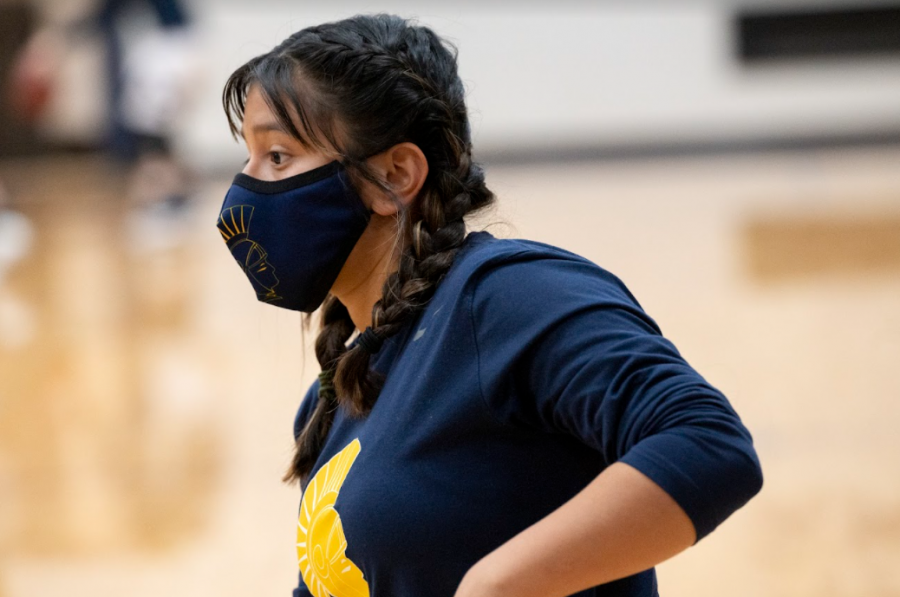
[146, 398]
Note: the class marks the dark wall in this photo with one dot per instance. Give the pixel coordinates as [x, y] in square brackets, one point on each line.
[854, 30]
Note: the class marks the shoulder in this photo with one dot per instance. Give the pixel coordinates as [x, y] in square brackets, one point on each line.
[524, 275]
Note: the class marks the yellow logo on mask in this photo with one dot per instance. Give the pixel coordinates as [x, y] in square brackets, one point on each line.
[320, 535]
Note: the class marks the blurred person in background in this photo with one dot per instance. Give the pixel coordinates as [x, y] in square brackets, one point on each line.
[146, 81]
[99, 378]
[148, 59]
[508, 421]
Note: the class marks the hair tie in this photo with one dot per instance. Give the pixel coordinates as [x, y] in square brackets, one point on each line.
[370, 341]
[326, 384]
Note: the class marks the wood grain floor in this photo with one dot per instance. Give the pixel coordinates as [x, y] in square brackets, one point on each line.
[146, 398]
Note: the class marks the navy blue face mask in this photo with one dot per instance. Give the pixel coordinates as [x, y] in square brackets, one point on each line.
[292, 236]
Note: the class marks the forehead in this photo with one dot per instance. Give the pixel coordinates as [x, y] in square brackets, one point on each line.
[258, 116]
[259, 119]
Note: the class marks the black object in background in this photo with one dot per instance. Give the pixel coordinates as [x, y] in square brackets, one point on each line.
[17, 21]
[819, 33]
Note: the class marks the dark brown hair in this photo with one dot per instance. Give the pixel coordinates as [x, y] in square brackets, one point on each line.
[379, 80]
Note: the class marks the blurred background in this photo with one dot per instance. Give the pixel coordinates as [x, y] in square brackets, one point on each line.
[736, 163]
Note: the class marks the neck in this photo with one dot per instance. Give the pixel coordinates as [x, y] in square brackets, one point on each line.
[361, 281]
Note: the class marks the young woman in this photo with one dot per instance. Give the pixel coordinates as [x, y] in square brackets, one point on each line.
[508, 421]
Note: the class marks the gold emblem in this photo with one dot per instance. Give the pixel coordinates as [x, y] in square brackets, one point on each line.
[320, 535]
[234, 225]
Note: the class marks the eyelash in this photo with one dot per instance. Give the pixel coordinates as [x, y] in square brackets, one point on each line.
[280, 154]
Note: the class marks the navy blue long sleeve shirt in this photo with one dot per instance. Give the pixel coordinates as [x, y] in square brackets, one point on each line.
[530, 371]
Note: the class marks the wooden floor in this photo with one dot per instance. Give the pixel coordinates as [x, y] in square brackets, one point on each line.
[146, 397]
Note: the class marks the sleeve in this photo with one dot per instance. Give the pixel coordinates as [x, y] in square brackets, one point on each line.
[577, 354]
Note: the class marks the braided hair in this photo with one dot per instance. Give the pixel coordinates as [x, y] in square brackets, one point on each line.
[375, 81]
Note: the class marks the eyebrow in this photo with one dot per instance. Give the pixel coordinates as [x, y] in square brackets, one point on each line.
[264, 127]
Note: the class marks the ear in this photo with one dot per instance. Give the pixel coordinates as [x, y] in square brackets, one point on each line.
[405, 168]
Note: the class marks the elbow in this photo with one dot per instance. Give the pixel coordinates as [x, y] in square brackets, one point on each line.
[734, 482]
[710, 471]
[753, 476]
[744, 471]
[744, 480]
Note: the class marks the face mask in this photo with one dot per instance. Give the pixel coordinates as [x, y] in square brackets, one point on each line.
[292, 236]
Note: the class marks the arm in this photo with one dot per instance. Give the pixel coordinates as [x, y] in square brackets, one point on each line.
[590, 363]
[620, 524]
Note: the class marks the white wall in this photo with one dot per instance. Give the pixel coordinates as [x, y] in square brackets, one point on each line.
[617, 73]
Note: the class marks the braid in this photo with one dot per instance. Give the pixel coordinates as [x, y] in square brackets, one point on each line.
[337, 327]
[435, 239]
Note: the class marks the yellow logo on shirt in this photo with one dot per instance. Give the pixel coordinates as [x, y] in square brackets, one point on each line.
[320, 535]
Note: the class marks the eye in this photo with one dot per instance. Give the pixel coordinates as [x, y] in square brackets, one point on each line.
[276, 157]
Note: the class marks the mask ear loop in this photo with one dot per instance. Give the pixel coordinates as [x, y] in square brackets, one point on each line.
[370, 340]
[362, 160]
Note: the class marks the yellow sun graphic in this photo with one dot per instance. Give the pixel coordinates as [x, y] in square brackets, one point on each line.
[320, 535]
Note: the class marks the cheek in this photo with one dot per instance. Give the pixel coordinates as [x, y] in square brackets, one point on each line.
[304, 163]
[257, 168]
[373, 247]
